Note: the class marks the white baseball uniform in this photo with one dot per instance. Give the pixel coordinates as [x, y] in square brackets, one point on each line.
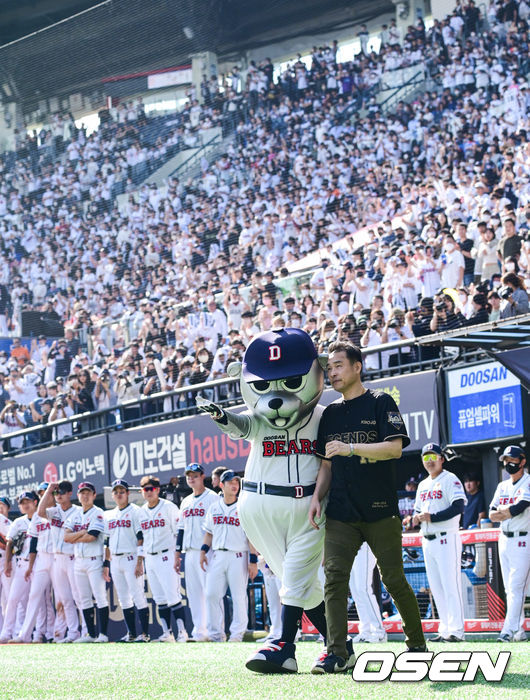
[361, 587]
[228, 567]
[88, 564]
[5, 581]
[19, 589]
[278, 526]
[64, 580]
[121, 527]
[159, 528]
[514, 550]
[38, 608]
[442, 550]
[193, 511]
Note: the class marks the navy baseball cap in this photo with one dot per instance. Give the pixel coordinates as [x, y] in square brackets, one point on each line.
[120, 482]
[86, 485]
[31, 495]
[288, 352]
[513, 451]
[43, 486]
[195, 468]
[228, 475]
[64, 486]
[431, 448]
[5, 499]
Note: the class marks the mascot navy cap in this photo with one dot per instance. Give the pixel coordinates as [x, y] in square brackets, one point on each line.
[5, 500]
[279, 354]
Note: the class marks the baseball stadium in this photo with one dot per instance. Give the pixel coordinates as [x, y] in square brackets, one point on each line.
[264, 348]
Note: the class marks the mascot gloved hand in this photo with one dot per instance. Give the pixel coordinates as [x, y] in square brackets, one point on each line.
[281, 380]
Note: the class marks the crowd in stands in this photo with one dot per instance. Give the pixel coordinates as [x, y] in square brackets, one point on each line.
[401, 204]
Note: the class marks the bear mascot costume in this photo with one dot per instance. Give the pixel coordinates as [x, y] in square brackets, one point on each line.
[282, 380]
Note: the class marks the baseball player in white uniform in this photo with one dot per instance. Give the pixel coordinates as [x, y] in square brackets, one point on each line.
[361, 587]
[231, 564]
[125, 552]
[511, 508]
[440, 501]
[190, 536]
[39, 573]
[5, 524]
[19, 589]
[159, 522]
[56, 506]
[85, 528]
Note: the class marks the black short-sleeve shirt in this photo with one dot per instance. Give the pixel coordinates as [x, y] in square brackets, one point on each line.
[362, 490]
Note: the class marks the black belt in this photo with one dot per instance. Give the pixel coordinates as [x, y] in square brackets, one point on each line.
[221, 549]
[126, 554]
[153, 554]
[433, 537]
[514, 534]
[272, 490]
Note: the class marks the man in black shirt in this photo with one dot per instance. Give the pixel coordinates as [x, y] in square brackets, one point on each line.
[361, 436]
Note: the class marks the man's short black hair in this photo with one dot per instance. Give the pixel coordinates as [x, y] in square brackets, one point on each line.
[353, 352]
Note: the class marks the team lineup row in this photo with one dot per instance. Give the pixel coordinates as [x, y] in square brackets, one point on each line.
[76, 550]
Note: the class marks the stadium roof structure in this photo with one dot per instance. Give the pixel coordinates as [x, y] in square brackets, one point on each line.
[58, 47]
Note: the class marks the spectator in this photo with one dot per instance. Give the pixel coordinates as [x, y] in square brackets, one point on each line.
[510, 243]
[19, 352]
[12, 420]
[406, 503]
[514, 296]
[475, 509]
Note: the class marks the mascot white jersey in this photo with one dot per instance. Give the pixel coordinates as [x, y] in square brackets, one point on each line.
[281, 383]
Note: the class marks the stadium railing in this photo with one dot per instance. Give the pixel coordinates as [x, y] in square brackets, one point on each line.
[225, 392]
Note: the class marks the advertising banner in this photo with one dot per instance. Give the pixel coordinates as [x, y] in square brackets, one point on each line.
[484, 403]
[81, 460]
[164, 449]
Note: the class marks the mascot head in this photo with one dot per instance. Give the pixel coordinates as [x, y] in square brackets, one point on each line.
[282, 376]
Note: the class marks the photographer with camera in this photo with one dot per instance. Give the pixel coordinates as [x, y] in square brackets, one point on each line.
[185, 400]
[372, 337]
[12, 420]
[445, 317]
[33, 415]
[105, 396]
[128, 387]
[396, 329]
[514, 296]
[419, 322]
[63, 407]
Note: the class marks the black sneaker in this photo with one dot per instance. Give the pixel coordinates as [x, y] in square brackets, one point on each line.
[437, 638]
[452, 638]
[276, 657]
[331, 663]
[422, 648]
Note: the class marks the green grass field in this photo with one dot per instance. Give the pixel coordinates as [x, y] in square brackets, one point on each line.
[151, 671]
